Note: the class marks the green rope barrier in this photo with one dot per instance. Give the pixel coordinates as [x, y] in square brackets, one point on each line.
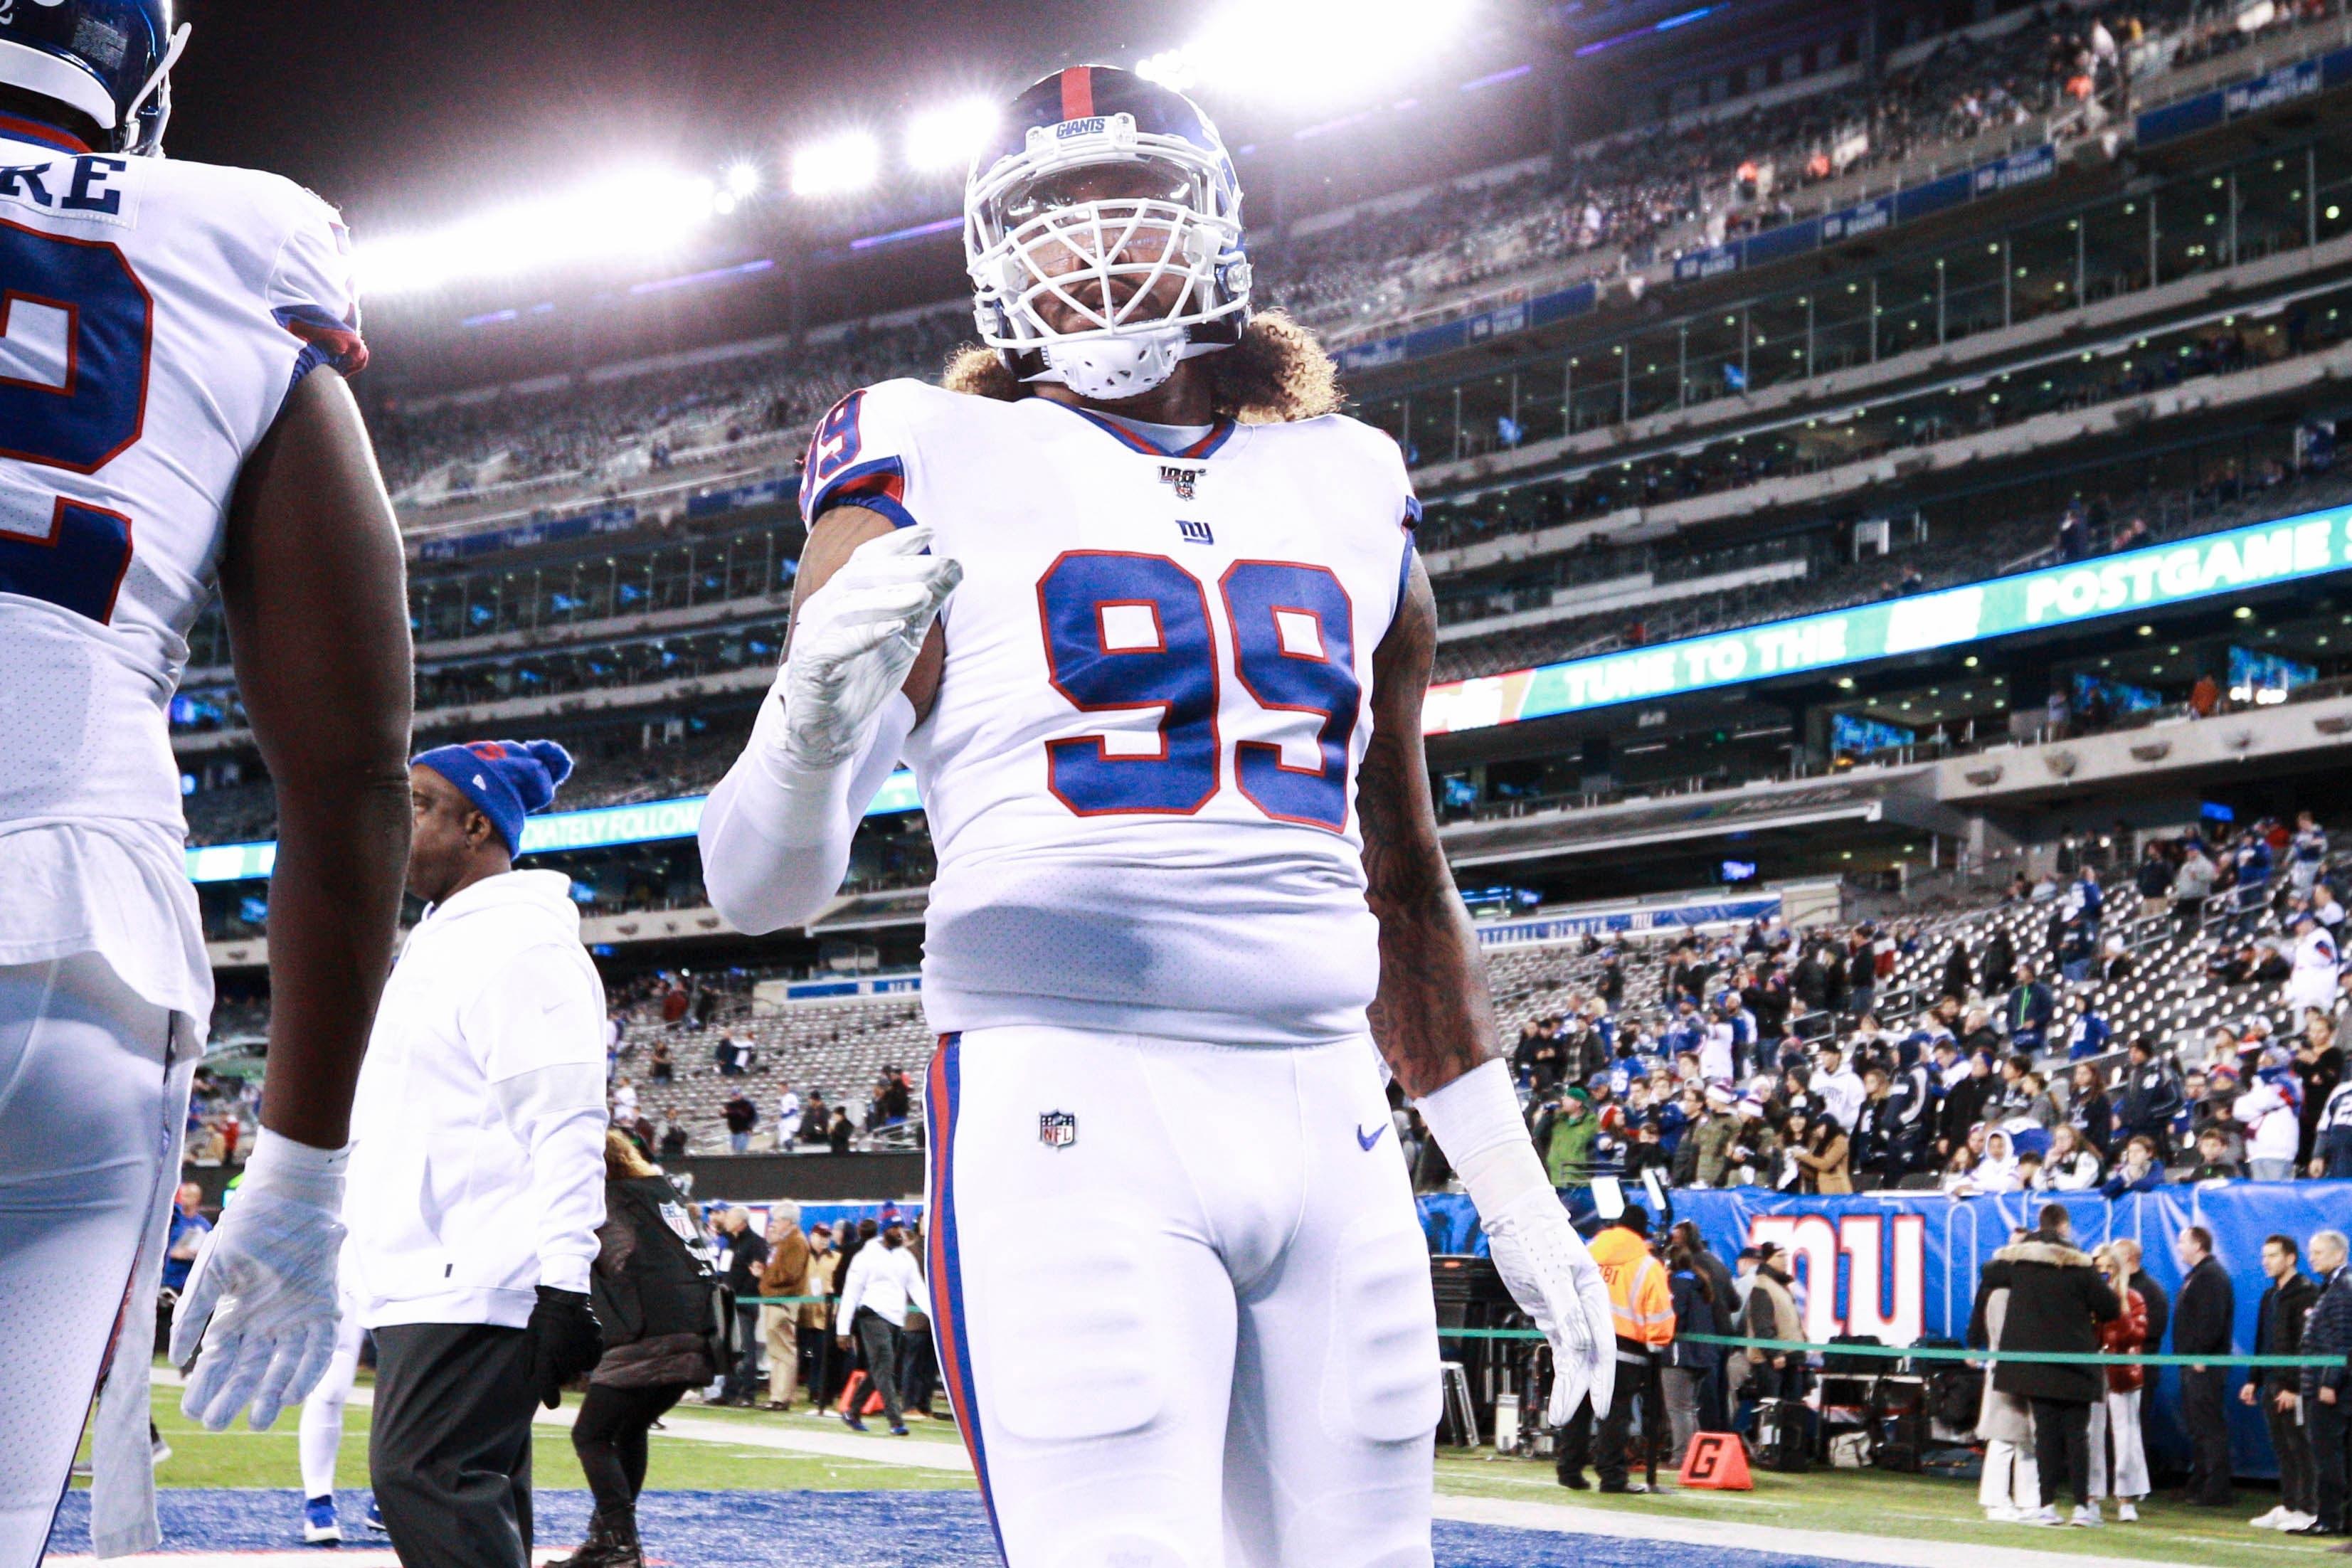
[1945, 1352]
[779, 1300]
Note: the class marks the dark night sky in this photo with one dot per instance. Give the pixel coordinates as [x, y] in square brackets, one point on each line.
[410, 110]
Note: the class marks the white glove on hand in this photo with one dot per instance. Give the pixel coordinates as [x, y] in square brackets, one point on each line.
[1543, 1262]
[854, 641]
[262, 1293]
[1549, 1274]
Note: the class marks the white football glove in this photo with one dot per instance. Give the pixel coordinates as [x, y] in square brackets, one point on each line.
[1549, 1274]
[262, 1295]
[1543, 1262]
[852, 642]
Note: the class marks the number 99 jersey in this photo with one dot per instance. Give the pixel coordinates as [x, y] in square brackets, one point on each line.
[153, 316]
[1140, 771]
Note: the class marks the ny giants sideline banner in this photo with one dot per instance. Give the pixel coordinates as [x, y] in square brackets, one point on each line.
[1905, 1266]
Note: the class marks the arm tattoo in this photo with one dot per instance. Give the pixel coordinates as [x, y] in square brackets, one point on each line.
[1433, 1018]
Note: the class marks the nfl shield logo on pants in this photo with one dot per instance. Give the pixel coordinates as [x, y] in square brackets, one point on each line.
[1057, 1129]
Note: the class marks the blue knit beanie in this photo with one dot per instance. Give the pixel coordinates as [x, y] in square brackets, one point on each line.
[506, 780]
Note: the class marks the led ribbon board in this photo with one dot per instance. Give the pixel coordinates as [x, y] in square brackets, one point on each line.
[2258, 556]
[2265, 553]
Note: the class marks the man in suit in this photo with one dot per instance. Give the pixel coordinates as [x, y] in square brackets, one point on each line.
[2201, 1325]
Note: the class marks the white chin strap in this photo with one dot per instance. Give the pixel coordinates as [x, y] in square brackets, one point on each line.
[1109, 369]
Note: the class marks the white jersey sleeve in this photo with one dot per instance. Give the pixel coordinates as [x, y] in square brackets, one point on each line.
[867, 452]
[313, 294]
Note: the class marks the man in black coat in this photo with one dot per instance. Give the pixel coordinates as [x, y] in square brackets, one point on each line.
[747, 1250]
[2201, 1325]
[2274, 1390]
[2057, 1300]
[2326, 1391]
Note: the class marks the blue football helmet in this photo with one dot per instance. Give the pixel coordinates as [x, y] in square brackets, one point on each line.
[1105, 294]
[109, 60]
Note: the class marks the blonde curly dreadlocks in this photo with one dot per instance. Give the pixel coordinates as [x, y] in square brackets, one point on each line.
[1276, 374]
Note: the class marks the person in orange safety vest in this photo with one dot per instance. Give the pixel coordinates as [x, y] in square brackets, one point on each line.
[1644, 1312]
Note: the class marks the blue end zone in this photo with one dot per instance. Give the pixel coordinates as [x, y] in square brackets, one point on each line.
[843, 1529]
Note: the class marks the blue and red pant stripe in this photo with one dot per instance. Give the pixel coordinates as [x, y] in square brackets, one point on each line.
[945, 1266]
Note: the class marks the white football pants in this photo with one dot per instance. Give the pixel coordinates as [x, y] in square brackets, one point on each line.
[323, 1412]
[89, 1118]
[1181, 1300]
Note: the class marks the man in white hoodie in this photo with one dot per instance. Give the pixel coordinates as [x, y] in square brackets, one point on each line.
[477, 1167]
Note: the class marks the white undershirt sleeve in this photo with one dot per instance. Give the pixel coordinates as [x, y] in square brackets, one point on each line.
[776, 838]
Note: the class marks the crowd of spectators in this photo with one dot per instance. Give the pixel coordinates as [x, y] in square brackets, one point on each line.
[1771, 1058]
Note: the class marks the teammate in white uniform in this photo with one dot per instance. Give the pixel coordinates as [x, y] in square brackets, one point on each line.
[1190, 890]
[160, 429]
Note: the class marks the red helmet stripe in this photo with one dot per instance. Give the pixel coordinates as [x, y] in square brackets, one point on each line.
[1078, 92]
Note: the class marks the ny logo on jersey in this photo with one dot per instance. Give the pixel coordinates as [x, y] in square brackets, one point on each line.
[1057, 1129]
[1194, 532]
[1180, 480]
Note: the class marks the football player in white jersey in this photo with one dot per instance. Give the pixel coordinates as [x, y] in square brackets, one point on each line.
[166, 426]
[1144, 614]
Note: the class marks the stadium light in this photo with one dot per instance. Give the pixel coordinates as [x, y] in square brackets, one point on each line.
[837, 165]
[951, 135]
[1310, 50]
[738, 186]
[631, 212]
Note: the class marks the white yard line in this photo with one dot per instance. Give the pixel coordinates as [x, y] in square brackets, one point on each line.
[1827, 1545]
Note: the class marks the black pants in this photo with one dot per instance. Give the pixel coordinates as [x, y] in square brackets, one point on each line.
[2291, 1445]
[1610, 1456]
[449, 1448]
[817, 1364]
[610, 1438]
[744, 1377]
[2062, 1447]
[2205, 1412]
[918, 1370]
[879, 1337]
[2329, 1427]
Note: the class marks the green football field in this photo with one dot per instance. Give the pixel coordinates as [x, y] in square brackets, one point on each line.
[1863, 1503]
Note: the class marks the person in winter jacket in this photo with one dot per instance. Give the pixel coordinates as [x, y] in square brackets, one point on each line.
[2073, 1166]
[1688, 1366]
[2151, 1095]
[2028, 1009]
[2119, 1454]
[2274, 1390]
[2331, 1137]
[477, 1177]
[1564, 1130]
[2057, 1301]
[1771, 1314]
[2325, 1392]
[785, 1273]
[2139, 1170]
[1642, 1309]
[2009, 1488]
[655, 1293]
[2090, 1112]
